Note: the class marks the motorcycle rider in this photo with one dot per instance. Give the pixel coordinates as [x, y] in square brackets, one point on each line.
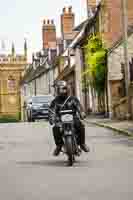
[64, 101]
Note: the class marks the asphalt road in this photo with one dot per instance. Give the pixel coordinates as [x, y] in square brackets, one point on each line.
[28, 171]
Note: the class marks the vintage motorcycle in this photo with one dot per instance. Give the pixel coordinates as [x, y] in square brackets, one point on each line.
[70, 147]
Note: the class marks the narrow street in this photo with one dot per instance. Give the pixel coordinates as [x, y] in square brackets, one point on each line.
[28, 171]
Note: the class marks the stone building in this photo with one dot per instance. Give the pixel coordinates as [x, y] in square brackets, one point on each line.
[116, 81]
[110, 28]
[12, 67]
[38, 77]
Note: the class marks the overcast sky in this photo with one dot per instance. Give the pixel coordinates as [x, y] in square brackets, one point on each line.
[21, 19]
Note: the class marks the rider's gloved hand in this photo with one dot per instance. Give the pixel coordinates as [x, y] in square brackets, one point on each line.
[51, 123]
[83, 115]
[52, 120]
[58, 122]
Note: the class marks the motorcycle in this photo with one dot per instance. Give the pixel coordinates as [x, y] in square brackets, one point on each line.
[69, 136]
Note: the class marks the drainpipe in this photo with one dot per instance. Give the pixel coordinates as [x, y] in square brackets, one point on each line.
[107, 88]
[35, 88]
[126, 56]
[49, 82]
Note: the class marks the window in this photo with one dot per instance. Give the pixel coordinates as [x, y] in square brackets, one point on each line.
[11, 84]
[131, 70]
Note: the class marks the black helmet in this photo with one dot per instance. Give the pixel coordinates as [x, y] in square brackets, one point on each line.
[61, 88]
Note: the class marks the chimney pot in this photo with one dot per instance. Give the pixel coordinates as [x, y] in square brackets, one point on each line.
[70, 9]
[48, 21]
[64, 9]
[52, 22]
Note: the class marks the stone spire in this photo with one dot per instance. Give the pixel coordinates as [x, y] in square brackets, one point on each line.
[13, 49]
[25, 48]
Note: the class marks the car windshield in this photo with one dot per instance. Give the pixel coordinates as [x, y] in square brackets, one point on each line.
[41, 99]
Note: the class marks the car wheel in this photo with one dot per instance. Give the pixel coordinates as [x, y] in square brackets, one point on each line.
[32, 120]
[28, 117]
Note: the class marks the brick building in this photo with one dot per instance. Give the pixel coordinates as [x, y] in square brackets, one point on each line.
[111, 18]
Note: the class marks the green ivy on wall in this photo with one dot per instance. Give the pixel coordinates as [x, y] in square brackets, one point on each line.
[95, 60]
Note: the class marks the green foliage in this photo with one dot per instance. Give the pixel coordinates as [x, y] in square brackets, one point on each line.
[95, 59]
[10, 119]
[57, 61]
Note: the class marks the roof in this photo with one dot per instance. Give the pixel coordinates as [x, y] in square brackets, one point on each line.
[32, 73]
[82, 27]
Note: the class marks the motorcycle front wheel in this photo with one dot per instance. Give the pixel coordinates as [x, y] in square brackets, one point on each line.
[69, 150]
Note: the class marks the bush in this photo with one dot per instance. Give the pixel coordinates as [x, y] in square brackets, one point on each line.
[8, 119]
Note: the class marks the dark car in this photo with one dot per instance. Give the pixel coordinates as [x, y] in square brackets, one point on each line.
[37, 107]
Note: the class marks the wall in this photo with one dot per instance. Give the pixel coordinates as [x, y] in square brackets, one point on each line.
[115, 78]
[10, 97]
[111, 20]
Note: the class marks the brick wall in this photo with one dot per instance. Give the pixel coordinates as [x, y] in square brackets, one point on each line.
[111, 19]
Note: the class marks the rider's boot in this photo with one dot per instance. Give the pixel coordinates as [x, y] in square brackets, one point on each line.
[57, 150]
[85, 148]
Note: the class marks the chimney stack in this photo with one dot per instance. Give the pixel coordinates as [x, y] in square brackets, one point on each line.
[67, 22]
[49, 34]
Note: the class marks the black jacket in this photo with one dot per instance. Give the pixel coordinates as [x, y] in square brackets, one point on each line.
[64, 103]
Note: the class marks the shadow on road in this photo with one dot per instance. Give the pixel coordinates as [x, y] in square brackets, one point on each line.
[52, 163]
[57, 163]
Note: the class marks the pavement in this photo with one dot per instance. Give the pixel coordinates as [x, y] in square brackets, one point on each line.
[28, 171]
[123, 127]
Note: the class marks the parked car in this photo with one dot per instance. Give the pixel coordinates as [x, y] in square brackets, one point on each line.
[37, 107]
